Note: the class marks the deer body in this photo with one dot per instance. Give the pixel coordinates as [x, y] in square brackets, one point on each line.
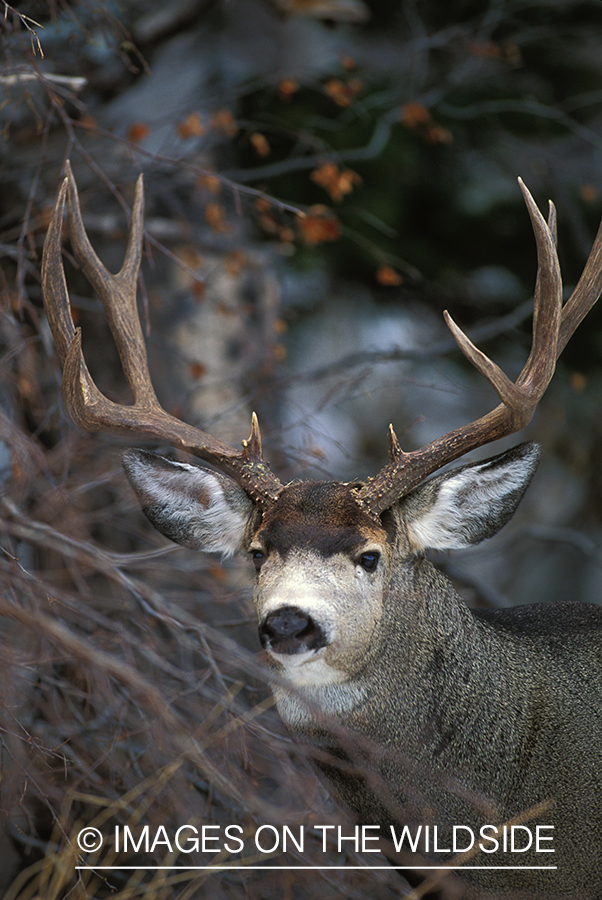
[417, 710]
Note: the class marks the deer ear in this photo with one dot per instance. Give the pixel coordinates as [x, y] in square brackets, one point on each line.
[471, 503]
[191, 505]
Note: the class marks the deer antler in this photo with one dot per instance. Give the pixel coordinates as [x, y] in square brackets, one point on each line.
[86, 405]
[553, 325]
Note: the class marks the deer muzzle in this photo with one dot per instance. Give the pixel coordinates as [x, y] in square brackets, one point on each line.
[289, 630]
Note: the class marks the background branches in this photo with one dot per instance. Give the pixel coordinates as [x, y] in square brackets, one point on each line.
[319, 187]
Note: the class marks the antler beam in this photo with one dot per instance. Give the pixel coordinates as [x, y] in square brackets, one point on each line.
[85, 404]
[553, 325]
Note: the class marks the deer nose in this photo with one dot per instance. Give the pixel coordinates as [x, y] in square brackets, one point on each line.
[290, 630]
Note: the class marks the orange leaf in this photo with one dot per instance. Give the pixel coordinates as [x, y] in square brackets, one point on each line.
[87, 121]
[224, 121]
[343, 93]
[388, 277]
[192, 126]
[197, 369]
[286, 88]
[338, 183]
[260, 143]
[414, 115]
[419, 118]
[286, 234]
[137, 132]
[436, 134]
[209, 182]
[485, 50]
[215, 217]
[263, 205]
[319, 225]
[198, 289]
[589, 193]
[235, 262]
[578, 381]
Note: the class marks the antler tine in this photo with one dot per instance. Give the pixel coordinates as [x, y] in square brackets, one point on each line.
[547, 307]
[54, 283]
[85, 404]
[117, 292]
[552, 328]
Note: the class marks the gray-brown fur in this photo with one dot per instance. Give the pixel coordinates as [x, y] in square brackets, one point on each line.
[320, 515]
[418, 710]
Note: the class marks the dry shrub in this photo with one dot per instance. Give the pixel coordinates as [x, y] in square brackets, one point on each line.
[132, 690]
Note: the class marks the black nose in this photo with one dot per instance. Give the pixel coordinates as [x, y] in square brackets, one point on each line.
[290, 630]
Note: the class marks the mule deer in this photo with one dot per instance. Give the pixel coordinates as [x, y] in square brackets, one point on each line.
[418, 711]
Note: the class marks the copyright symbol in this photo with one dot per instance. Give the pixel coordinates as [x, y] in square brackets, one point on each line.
[89, 839]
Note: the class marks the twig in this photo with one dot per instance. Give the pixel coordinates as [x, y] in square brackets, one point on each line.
[75, 82]
[27, 22]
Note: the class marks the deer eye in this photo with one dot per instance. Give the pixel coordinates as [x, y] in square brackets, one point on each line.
[258, 557]
[369, 561]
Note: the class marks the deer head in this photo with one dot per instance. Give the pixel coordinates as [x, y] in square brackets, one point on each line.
[363, 529]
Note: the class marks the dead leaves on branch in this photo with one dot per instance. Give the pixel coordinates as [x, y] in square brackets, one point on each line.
[337, 182]
[194, 125]
[419, 119]
[343, 92]
[319, 225]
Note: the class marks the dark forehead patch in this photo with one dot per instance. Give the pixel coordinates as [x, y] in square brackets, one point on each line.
[321, 515]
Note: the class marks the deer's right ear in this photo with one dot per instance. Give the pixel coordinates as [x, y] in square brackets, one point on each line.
[193, 506]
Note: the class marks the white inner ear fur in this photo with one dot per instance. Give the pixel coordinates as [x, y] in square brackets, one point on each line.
[460, 508]
[193, 506]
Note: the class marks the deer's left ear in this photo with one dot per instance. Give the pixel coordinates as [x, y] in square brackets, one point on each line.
[471, 503]
[193, 506]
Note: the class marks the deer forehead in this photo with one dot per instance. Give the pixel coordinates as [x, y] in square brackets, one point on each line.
[320, 516]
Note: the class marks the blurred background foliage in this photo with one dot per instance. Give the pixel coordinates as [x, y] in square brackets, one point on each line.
[323, 178]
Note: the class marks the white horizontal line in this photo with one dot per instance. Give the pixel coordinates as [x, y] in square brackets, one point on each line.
[283, 868]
